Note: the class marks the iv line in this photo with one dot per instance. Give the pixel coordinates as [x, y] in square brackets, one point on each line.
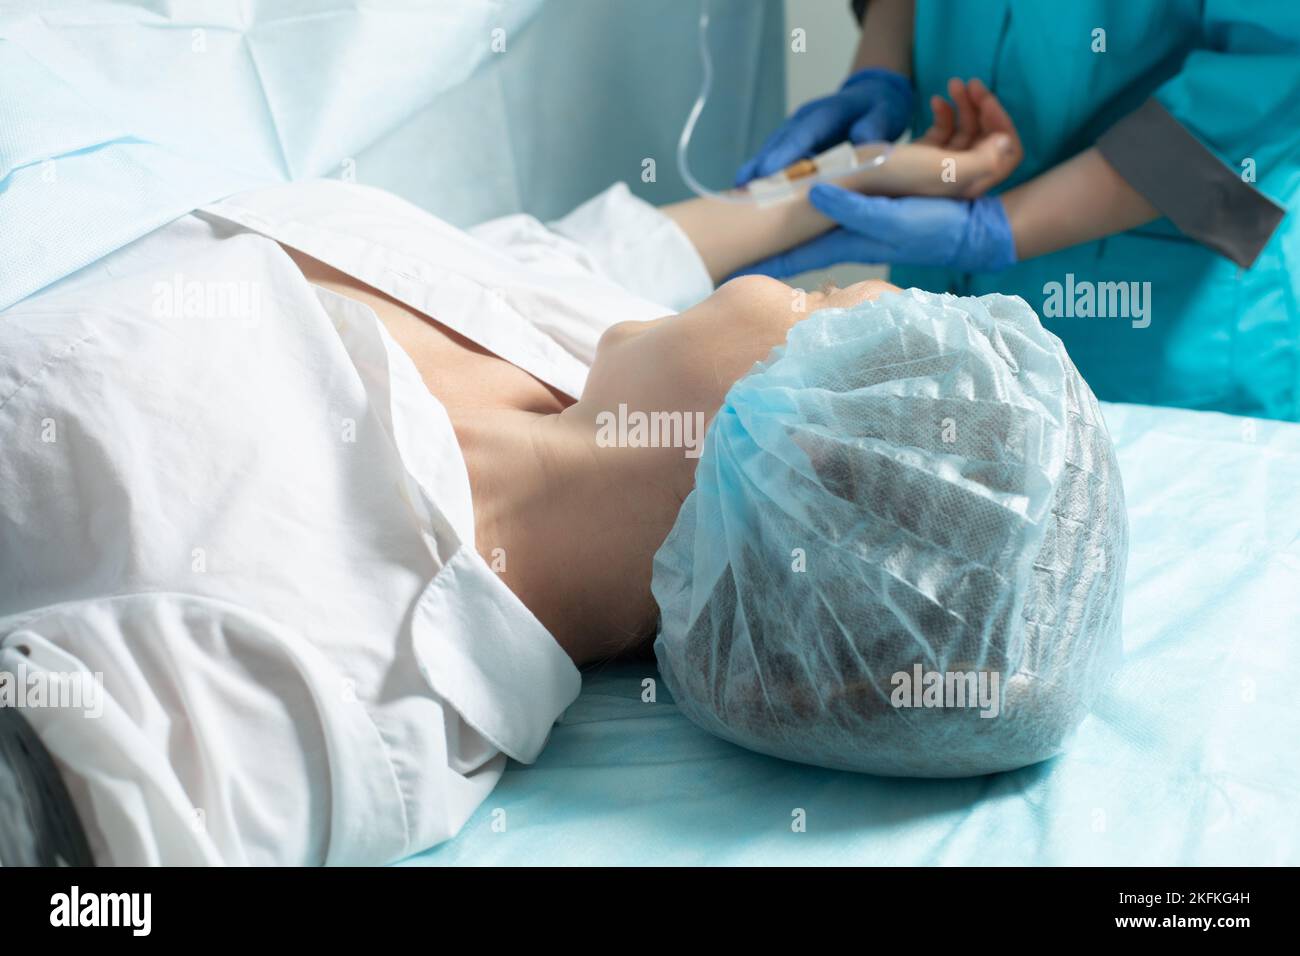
[766, 190]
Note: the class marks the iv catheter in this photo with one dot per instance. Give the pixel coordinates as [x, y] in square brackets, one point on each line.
[778, 187]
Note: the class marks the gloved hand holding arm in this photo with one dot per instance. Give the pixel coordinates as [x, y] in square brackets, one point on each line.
[1078, 201]
[874, 104]
[968, 150]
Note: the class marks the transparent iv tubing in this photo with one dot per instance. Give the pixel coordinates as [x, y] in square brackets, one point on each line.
[833, 163]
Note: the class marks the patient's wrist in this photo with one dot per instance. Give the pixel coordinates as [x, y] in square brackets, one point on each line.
[910, 170]
[918, 169]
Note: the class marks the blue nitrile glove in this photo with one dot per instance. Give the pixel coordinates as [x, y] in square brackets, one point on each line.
[969, 235]
[872, 105]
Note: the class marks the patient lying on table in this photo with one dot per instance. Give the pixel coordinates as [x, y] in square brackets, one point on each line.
[338, 543]
[551, 519]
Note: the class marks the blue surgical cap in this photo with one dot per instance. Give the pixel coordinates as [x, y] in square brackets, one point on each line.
[905, 549]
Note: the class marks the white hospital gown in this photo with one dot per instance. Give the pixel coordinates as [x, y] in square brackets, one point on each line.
[228, 492]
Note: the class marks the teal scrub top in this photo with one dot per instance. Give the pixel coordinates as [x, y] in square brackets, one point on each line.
[1212, 335]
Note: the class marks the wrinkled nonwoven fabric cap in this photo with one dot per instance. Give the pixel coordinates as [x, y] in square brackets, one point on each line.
[920, 485]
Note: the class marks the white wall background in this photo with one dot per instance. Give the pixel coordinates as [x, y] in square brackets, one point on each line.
[832, 38]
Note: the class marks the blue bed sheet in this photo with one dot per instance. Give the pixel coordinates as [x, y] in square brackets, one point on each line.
[1190, 758]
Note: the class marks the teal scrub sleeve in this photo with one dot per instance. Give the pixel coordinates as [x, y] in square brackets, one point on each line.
[1224, 131]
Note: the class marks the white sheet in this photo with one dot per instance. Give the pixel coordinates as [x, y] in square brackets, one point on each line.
[230, 495]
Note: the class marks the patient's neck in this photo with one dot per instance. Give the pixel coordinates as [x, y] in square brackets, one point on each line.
[572, 527]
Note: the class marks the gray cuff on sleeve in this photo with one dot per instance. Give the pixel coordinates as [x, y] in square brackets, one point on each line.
[1205, 199]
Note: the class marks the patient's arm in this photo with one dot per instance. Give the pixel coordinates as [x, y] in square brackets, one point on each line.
[968, 150]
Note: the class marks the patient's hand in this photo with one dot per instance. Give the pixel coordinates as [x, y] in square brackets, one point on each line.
[972, 146]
